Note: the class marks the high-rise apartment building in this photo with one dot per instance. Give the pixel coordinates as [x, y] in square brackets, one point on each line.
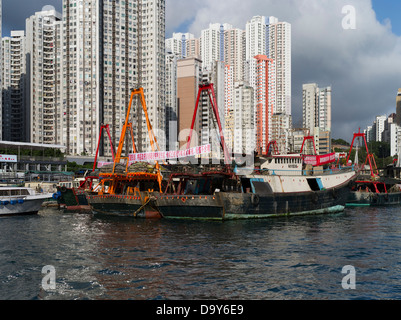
[180, 44]
[324, 99]
[244, 121]
[189, 76]
[234, 52]
[209, 134]
[43, 49]
[257, 40]
[280, 51]
[15, 120]
[280, 133]
[150, 64]
[193, 47]
[212, 44]
[171, 102]
[398, 107]
[265, 94]
[110, 47]
[228, 105]
[316, 107]
[316, 114]
[266, 36]
[1, 71]
[82, 108]
[380, 126]
[309, 106]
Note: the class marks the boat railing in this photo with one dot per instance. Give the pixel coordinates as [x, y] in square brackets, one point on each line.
[328, 171]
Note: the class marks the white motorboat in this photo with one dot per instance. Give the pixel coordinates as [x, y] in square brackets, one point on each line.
[21, 200]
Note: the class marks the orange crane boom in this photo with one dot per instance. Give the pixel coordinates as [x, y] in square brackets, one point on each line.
[128, 125]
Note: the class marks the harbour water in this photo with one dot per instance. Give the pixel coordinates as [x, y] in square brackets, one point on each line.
[293, 258]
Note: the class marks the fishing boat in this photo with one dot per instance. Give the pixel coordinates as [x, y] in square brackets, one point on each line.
[373, 193]
[222, 195]
[125, 194]
[283, 185]
[71, 195]
[21, 201]
[371, 189]
[125, 188]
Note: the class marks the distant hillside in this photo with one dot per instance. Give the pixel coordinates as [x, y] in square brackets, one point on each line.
[340, 142]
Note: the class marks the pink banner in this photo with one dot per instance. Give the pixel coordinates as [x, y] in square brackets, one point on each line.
[320, 160]
[102, 164]
[164, 155]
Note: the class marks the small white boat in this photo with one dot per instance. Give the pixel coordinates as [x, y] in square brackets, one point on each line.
[21, 201]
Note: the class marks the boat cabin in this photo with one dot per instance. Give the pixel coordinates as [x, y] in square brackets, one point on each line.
[14, 192]
[283, 165]
[200, 184]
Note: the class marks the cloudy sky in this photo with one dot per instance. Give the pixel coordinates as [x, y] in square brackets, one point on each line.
[362, 64]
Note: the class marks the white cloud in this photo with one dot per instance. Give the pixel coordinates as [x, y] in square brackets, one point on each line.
[362, 65]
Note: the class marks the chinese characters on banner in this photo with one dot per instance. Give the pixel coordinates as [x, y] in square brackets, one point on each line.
[320, 160]
[7, 158]
[164, 155]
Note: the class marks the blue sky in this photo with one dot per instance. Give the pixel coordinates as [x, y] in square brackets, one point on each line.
[389, 9]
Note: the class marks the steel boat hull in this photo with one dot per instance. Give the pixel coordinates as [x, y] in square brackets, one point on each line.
[364, 199]
[122, 206]
[23, 205]
[229, 206]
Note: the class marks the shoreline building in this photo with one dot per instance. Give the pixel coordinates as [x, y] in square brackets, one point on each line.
[109, 48]
[43, 49]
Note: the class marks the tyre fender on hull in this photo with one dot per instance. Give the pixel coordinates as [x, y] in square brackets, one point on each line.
[255, 199]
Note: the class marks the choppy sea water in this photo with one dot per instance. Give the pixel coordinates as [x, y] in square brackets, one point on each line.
[292, 258]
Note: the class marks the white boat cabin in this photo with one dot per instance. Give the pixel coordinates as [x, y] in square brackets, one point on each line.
[283, 165]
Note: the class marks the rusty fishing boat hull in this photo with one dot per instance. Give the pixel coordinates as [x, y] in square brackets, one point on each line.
[373, 193]
[236, 205]
[123, 206]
